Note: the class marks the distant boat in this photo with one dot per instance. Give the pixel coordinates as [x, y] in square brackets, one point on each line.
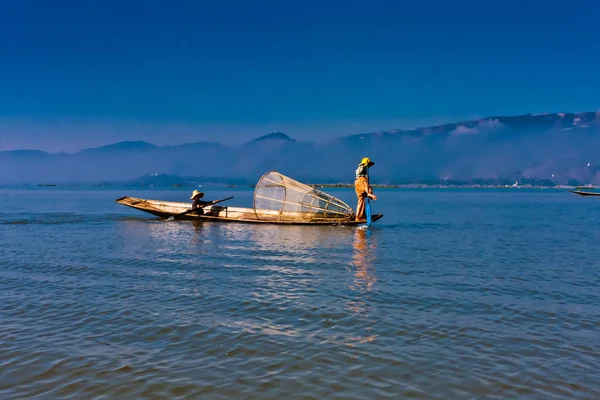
[582, 193]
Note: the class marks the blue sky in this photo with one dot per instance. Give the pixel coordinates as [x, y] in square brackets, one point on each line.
[83, 73]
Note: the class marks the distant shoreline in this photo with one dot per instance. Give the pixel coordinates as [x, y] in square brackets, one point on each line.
[439, 186]
[165, 181]
[313, 185]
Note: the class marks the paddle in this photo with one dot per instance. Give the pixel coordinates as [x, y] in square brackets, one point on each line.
[368, 207]
[212, 203]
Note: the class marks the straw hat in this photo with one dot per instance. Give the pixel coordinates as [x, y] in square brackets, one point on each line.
[196, 193]
[367, 161]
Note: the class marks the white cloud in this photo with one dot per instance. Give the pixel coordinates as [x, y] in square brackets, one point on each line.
[463, 130]
[483, 126]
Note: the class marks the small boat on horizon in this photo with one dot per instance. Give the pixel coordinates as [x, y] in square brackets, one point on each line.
[584, 193]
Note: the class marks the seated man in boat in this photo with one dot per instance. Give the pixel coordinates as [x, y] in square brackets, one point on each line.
[362, 187]
[197, 204]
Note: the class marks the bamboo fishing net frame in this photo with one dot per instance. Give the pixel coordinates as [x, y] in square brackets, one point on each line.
[278, 197]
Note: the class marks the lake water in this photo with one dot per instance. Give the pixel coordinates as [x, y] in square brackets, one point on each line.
[454, 294]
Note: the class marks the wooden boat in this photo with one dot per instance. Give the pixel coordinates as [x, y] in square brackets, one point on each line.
[167, 209]
[583, 193]
[277, 200]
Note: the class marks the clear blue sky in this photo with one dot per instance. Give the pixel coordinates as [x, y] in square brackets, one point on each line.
[76, 73]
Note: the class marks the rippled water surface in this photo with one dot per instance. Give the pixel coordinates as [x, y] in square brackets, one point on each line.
[453, 294]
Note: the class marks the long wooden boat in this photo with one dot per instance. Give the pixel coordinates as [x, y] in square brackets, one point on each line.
[167, 209]
[584, 193]
[278, 199]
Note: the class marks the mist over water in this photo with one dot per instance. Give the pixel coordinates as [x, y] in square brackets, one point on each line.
[453, 294]
[553, 148]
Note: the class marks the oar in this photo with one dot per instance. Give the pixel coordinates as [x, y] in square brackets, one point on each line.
[368, 212]
[212, 203]
[368, 207]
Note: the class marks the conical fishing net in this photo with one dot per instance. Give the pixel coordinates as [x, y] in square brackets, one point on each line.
[280, 198]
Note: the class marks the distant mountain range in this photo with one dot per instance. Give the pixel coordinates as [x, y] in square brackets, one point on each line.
[558, 147]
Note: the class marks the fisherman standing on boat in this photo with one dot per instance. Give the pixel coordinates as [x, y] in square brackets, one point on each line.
[197, 204]
[363, 188]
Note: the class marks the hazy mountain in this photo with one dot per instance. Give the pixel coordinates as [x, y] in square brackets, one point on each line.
[124, 147]
[273, 137]
[495, 148]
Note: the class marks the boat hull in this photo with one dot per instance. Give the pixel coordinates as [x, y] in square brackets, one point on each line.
[168, 209]
[582, 193]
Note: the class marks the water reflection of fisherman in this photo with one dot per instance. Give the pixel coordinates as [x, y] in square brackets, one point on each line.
[363, 258]
[197, 204]
[198, 226]
[364, 278]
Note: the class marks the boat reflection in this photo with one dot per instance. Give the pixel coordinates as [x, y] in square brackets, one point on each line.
[279, 266]
[292, 244]
[169, 241]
